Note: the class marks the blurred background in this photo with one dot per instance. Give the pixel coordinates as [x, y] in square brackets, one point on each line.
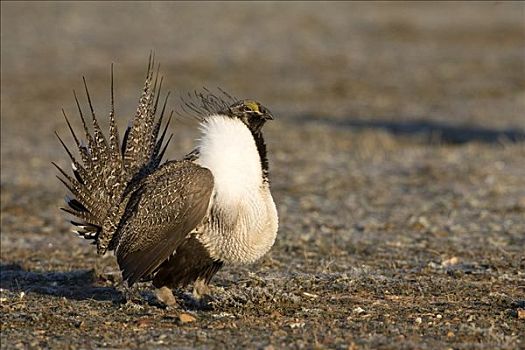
[398, 139]
[372, 65]
[409, 68]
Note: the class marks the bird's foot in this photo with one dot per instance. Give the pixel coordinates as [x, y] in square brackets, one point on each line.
[165, 296]
[130, 295]
[202, 293]
[200, 289]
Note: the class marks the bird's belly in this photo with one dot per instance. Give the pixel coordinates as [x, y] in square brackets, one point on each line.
[240, 233]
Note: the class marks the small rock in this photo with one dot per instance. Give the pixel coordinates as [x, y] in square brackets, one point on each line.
[421, 223]
[433, 265]
[310, 295]
[450, 262]
[144, 322]
[187, 318]
[419, 320]
[359, 310]
[352, 346]
[521, 314]
[296, 325]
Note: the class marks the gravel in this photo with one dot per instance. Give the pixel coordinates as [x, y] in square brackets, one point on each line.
[397, 164]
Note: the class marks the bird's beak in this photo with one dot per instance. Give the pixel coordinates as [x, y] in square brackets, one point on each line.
[267, 116]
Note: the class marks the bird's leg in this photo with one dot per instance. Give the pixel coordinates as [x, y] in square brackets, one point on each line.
[202, 293]
[165, 295]
[200, 289]
[130, 294]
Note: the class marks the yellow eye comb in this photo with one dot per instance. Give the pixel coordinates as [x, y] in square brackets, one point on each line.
[252, 105]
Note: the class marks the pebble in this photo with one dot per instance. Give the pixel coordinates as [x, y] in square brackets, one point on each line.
[296, 325]
[521, 314]
[359, 310]
[187, 318]
[310, 295]
[450, 262]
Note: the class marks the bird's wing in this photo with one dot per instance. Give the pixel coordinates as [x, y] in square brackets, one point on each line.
[160, 214]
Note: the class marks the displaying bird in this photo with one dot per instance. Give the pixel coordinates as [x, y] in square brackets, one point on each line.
[175, 222]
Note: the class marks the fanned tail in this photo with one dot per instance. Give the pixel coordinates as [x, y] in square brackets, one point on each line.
[107, 166]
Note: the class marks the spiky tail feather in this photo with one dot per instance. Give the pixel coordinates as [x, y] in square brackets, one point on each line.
[108, 167]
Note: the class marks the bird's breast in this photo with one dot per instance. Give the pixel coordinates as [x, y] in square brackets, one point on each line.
[241, 232]
[241, 225]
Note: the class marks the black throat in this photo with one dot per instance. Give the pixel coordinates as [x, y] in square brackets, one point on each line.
[261, 148]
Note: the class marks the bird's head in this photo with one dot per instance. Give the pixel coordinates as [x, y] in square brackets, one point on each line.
[251, 113]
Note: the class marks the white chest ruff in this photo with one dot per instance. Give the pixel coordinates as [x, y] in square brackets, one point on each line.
[242, 220]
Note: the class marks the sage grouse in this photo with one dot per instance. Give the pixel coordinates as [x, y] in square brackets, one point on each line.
[176, 222]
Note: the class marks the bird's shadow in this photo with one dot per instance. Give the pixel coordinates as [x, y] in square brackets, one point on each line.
[82, 285]
[75, 285]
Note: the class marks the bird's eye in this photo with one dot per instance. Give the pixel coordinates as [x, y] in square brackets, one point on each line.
[249, 107]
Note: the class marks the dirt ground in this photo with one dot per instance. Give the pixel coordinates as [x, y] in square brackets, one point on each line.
[397, 163]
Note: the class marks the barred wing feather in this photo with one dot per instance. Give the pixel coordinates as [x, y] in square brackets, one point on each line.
[162, 210]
